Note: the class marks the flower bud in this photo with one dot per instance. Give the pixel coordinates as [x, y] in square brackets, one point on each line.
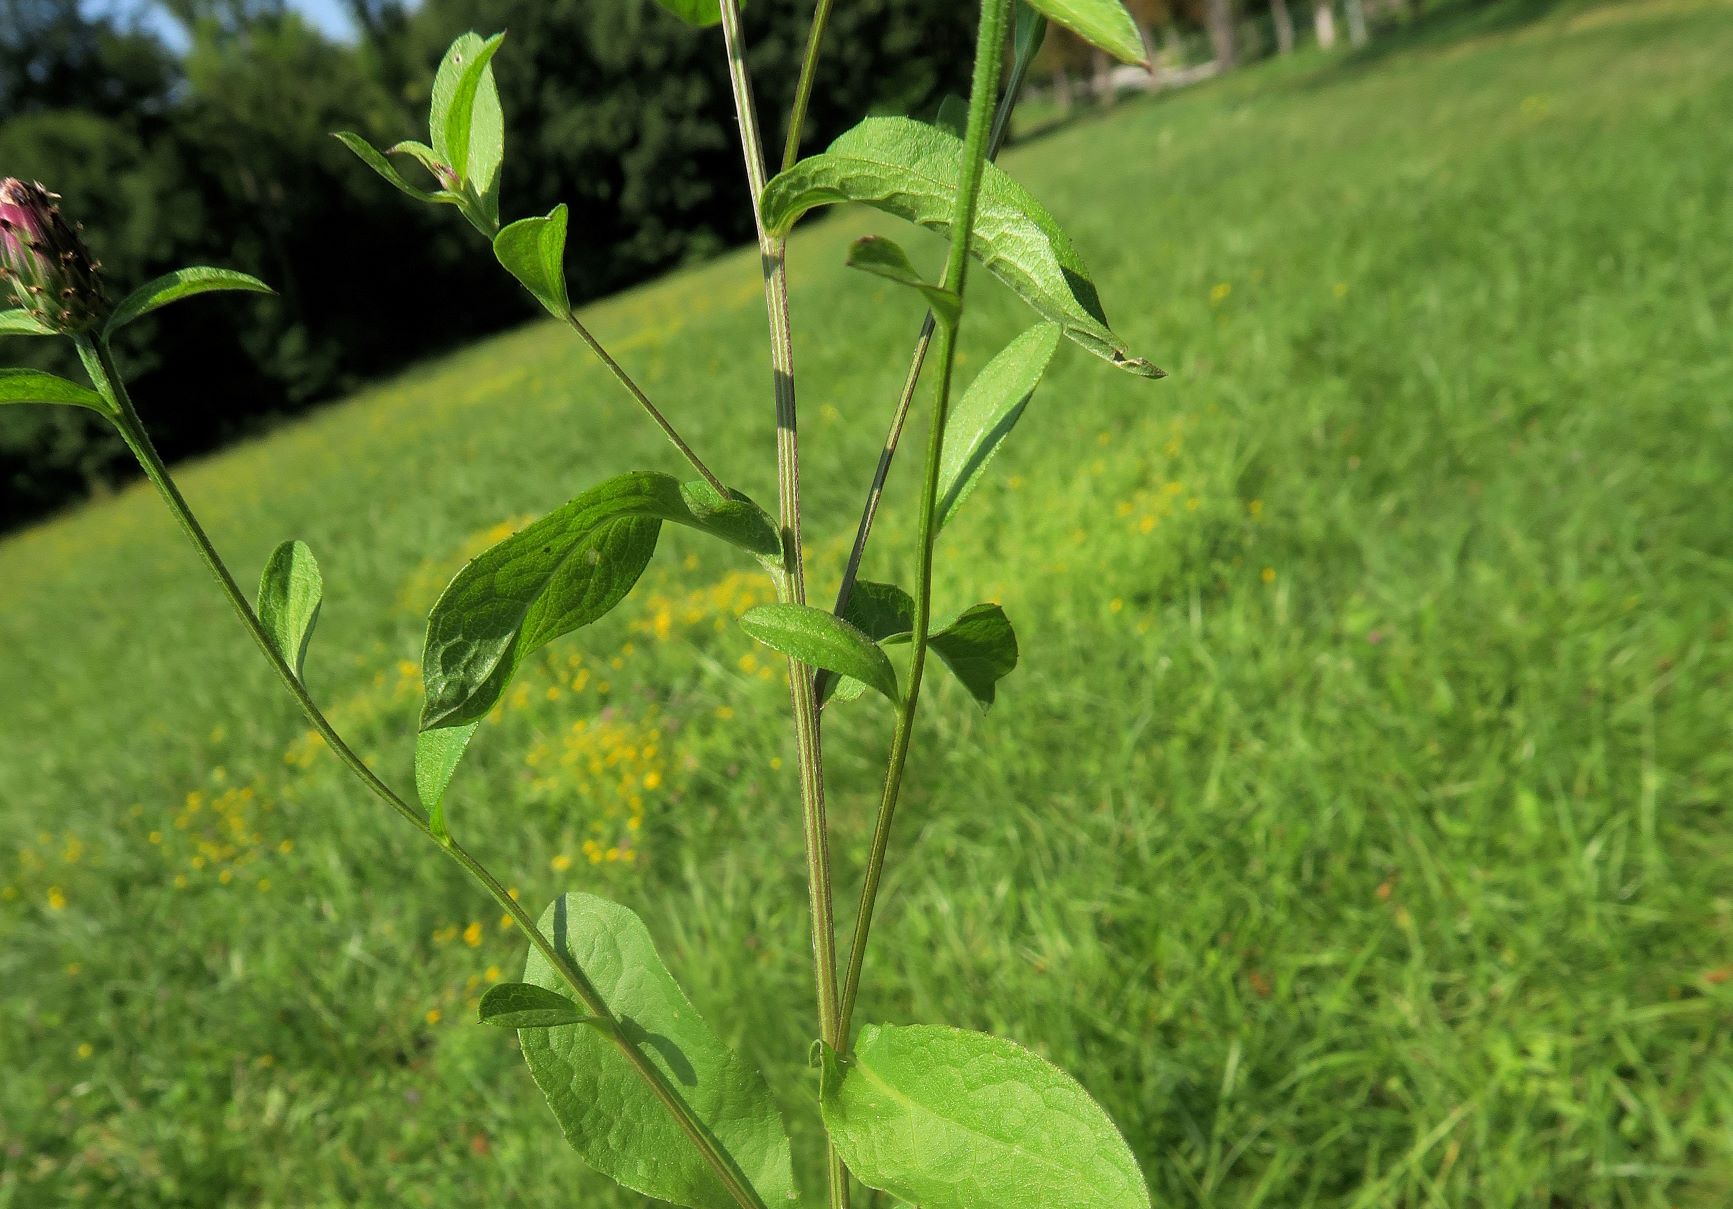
[45, 263]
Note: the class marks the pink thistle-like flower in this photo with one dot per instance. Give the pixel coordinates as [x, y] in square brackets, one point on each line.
[45, 262]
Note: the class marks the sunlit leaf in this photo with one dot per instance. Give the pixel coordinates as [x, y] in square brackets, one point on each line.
[910, 169]
[34, 386]
[23, 323]
[559, 574]
[534, 251]
[821, 639]
[1103, 23]
[290, 593]
[437, 755]
[606, 1111]
[948, 1119]
[368, 154]
[464, 120]
[985, 414]
[182, 283]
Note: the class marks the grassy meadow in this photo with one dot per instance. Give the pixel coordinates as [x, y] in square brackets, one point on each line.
[1356, 825]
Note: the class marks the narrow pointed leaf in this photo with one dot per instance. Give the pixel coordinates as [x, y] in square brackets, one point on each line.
[534, 251]
[988, 410]
[910, 169]
[464, 119]
[559, 574]
[1103, 23]
[23, 323]
[822, 640]
[437, 755]
[525, 1005]
[182, 283]
[980, 648]
[948, 1119]
[370, 155]
[34, 386]
[885, 258]
[607, 1113]
[290, 593]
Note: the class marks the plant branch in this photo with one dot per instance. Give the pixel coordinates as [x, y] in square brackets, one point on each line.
[109, 383]
[637, 393]
[989, 58]
[803, 88]
[791, 583]
[1026, 48]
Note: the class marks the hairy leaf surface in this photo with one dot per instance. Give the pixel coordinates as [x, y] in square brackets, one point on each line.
[290, 593]
[911, 169]
[821, 639]
[534, 251]
[987, 412]
[948, 1119]
[559, 574]
[605, 1110]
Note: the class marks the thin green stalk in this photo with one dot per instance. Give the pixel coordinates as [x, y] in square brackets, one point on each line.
[803, 88]
[983, 89]
[791, 584]
[643, 399]
[99, 362]
[1027, 45]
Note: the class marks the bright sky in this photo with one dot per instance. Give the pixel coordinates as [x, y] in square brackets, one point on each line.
[328, 15]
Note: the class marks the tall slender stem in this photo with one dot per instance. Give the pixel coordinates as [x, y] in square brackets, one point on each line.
[989, 57]
[643, 399]
[109, 383]
[803, 87]
[1028, 42]
[791, 584]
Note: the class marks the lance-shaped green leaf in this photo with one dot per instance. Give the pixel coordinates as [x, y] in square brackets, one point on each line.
[980, 648]
[437, 755]
[182, 283]
[695, 12]
[525, 1005]
[19, 322]
[910, 169]
[534, 251]
[465, 121]
[370, 155]
[607, 1113]
[34, 386]
[821, 639]
[559, 574]
[1103, 23]
[988, 410]
[948, 1119]
[879, 611]
[290, 593]
[885, 258]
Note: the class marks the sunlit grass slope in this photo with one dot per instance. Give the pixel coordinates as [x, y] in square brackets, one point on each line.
[1356, 824]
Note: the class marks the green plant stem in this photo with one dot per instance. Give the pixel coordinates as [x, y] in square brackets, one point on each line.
[888, 451]
[983, 89]
[637, 392]
[791, 584]
[803, 87]
[109, 383]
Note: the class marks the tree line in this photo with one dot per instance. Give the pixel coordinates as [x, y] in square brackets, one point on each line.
[215, 149]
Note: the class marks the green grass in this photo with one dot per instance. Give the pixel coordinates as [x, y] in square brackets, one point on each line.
[1356, 825]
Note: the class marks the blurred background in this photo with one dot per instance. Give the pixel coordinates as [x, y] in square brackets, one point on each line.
[1355, 823]
[200, 128]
